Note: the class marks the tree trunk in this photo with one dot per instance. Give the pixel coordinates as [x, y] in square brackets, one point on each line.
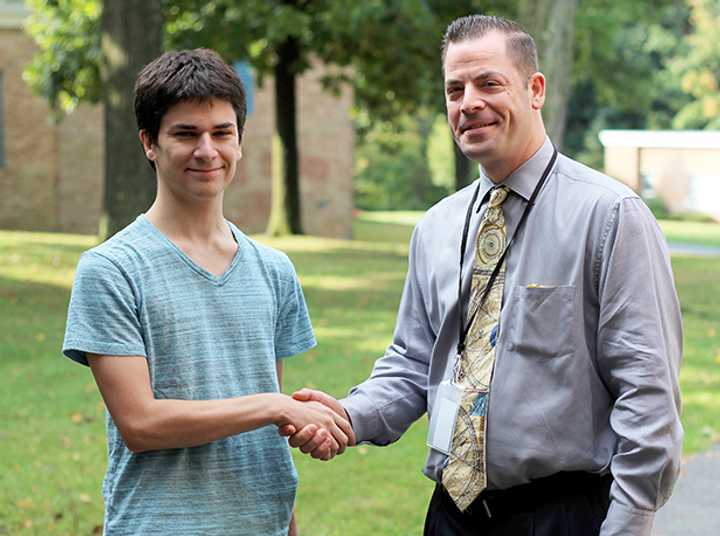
[552, 25]
[465, 169]
[131, 37]
[285, 214]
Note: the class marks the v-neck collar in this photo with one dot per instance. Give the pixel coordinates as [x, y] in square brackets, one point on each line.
[199, 270]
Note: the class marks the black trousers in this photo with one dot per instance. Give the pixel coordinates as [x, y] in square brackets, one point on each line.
[565, 504]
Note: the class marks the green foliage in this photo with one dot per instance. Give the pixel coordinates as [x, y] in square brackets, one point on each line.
[698, 68]
[392, 169]
[657, 207]
[620, 73]
[66, 69]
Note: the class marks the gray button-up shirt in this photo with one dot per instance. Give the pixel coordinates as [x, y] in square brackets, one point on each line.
[590, 342]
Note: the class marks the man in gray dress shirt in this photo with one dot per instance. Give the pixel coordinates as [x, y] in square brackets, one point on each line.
[583, 433]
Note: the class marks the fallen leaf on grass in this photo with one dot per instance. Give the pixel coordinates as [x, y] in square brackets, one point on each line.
[79, 418]
[27, 502]
[97, 529]
[84, 498]
[40, 337]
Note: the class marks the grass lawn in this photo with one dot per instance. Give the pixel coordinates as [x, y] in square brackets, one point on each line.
[52, 447]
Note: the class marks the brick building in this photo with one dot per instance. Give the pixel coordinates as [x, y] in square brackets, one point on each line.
[51, 175]
[682, 168]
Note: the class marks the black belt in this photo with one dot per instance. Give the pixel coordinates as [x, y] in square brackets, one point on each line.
[527, 497]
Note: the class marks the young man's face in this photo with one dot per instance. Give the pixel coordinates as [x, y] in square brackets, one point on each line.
[197, 149]
[492, 108]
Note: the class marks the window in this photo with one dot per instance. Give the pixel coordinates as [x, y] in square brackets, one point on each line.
[2, 122]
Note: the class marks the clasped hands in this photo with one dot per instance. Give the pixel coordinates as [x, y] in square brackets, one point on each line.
[321, 427]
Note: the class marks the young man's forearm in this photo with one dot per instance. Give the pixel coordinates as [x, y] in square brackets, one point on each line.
[147, 423]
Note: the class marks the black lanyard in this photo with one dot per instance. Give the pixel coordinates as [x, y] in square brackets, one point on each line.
[462, 332]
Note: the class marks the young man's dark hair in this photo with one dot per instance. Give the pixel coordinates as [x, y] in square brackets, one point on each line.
[188, 75]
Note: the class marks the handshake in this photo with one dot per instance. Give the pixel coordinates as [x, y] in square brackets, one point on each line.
[317, 424]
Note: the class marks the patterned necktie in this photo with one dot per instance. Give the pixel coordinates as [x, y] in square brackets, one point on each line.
[465, 476]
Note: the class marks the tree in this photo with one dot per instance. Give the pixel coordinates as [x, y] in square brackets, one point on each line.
[698, 68]
[66, 69]
[552, 24]
[620, 76]
[131, 37]
[80, 44]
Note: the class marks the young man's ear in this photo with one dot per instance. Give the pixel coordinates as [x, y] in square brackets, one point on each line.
[536, 86]
[147, 144]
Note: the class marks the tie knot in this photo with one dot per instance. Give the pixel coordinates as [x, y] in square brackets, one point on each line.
[498, 196]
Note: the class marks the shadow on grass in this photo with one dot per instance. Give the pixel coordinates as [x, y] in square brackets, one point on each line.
[33, 319]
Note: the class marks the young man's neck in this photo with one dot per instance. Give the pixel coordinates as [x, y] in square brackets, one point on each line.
[188, 221]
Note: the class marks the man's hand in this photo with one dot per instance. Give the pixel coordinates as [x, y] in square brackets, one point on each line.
[330, 431]
[310, 439]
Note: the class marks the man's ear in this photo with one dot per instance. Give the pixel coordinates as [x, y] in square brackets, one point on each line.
[536, 87]
[147, 144]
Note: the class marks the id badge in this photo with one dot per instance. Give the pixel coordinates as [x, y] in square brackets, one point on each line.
[442, 420]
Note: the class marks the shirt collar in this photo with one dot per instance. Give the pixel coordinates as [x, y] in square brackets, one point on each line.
[523, 180]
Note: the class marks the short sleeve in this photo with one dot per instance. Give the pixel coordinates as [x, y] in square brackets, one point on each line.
[293, 331]
[103, 315]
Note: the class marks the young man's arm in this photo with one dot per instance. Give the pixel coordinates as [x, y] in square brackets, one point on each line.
[147, 423]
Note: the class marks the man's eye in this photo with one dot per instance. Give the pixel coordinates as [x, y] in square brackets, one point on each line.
[184, 134]
[453, 92]
[223, 133]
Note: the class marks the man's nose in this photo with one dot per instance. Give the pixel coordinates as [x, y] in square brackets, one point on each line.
[473, 100]
[205, 149]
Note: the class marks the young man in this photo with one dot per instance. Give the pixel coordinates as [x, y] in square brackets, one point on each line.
[183, 321]
[552, 382]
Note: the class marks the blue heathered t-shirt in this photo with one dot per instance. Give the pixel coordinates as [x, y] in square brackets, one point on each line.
[204, 337]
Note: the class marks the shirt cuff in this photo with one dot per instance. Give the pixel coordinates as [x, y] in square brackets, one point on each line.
[625, 521]
[364, 417]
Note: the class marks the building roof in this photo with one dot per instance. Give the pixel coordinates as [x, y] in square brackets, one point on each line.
[668, 139]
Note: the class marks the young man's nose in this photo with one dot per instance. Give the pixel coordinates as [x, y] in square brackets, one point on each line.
[205, 148]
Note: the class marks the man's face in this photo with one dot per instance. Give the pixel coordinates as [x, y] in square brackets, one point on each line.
[492, 108]
[197, 149]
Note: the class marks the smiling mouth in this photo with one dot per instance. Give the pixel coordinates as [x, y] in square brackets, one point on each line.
[474, 126]
[204, 170]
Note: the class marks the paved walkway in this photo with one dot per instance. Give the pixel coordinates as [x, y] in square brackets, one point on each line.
[693, 249]
[694, 507]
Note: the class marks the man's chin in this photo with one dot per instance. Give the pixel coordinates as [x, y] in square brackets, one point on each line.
[475, 152]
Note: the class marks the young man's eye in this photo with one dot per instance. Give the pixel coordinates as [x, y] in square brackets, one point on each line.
[223, 133]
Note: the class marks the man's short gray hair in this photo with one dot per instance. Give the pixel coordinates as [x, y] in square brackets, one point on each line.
[520, 44]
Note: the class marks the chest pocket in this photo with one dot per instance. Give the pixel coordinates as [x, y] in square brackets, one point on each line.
[542, 321]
